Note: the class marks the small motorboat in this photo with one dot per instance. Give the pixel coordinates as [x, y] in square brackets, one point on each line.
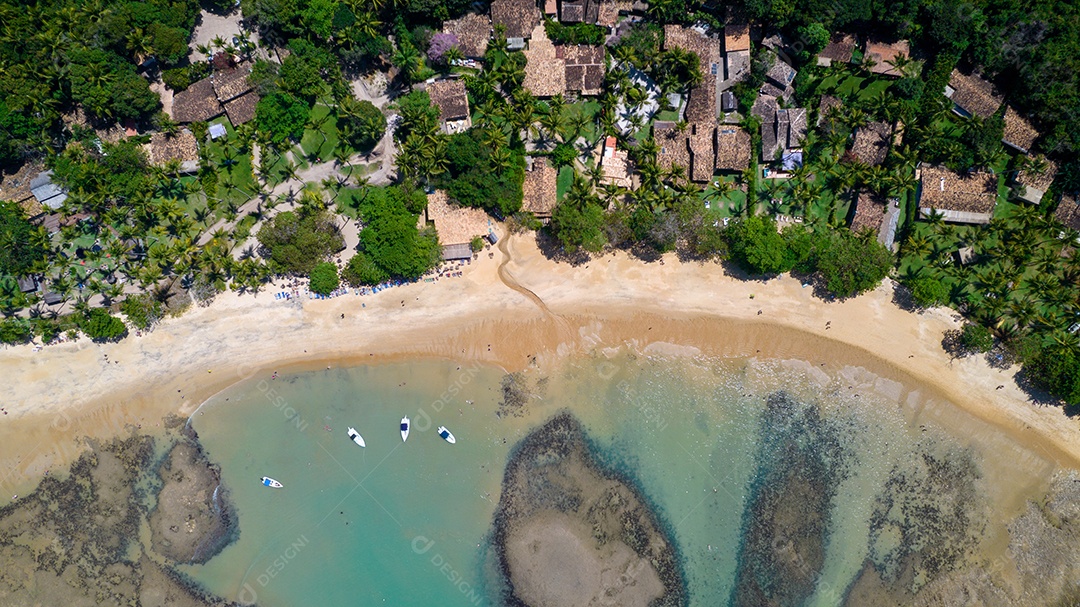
[405, 428]
[447, 435]
[356, 438]
[269, 482]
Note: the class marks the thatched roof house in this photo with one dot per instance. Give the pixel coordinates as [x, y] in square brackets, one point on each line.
[539, 188]
[181, 146]
[972, 95]
[1068, 212]
[736, 37]
[872, 143]
[473, 32]
[1018, 134]
[242, 108]
[960, 198]
[453, 224]
[518, 16]
[839, 49]
[1033, 185]
[733, 148]
[196, 103]
[884, 55]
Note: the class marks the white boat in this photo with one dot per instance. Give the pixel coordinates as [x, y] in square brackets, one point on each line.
[356, 438]
[447, 435]
[405, 428]
[269, 482]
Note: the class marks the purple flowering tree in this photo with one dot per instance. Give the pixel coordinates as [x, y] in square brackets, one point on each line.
[440, 43]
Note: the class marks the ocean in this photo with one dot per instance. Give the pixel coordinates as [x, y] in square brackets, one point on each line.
[706, 442]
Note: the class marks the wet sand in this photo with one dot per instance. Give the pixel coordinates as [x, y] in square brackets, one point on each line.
[512, 308]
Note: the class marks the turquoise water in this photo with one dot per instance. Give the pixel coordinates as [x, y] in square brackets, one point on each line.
[407, 524]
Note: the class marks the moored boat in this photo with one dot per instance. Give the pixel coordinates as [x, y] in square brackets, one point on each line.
[447, 435]
[405, 428]
[269, 482]
[356, 438]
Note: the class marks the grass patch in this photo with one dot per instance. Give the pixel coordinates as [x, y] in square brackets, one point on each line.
[320, 143]
[563, 182]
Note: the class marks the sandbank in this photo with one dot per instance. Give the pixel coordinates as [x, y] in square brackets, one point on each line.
[513, 308]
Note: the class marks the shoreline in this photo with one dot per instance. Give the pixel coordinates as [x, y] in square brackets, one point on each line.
[512, 309]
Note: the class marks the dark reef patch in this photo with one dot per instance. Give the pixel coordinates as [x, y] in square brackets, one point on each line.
[568, 531]
[75, 541]
[801, 462]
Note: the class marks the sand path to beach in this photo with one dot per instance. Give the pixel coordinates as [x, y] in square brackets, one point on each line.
[71, 390]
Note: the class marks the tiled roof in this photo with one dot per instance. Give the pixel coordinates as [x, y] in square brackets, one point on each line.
[781, 73]
[242, 109]
[764, 108]
[519, 16]
[545, 72]
[539, 188]
[181, 146]
[882, 53]
[702, 151]
[828, 102]
[230, 83]
[945, 190]
[584, 68]
[974, 95]
[736, 37]
[572, 12]
[473, 33]
[673, 147]
[1038, 181]
[872, 143]
[701, 106]
[454, 224]
[196, 103]
[1068, 212]
[450, 97]
[1018, 131]
[732, 148]
[796, 130]
[839, 49]
[616, 164]
[869, 212]
[609, 12]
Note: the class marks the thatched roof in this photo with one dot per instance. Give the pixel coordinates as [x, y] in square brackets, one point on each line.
[974, 95]
[230, 83]
[451, 99]
[732, 148]
[473, 32]
[519, 16]
[967, 198]
[1068, 212]
[702, 142]
[1038, 181]
[736, 37]
[872, 143]
[539, 189]
[839, 49]
[545, 72]
[197, 102]
[1018, 131]
[454, 224]
[180, 146]
[884, 54]
[242, 109]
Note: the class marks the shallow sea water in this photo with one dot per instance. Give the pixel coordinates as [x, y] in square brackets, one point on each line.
[408, 524]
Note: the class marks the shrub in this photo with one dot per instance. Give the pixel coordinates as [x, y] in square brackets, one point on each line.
[177, 78]
[476, 244]
[324, 278]
[928, 291]
[99, 325]
[141, 310]
[976, 338]
[14, 331]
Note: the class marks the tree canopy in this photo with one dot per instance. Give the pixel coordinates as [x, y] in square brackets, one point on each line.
[297, 242]
[22, 246]
[390, 238]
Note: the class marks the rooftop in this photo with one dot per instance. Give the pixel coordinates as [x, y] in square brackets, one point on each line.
[609, 12]
[454, 224]
[702, 151]
[545, 71]
[1018, 131]
[839, 49]
[872, 143]
[584, 68]
[1068, 212]
[449, 96]
[197, 102]
[828, 105]
[539, 188]
[616, 165]
[1038, 180]
[673, 146]
[732, 148]
[736, 37]
[47, 193]
[781, 73]
[473, 32]
[519, 16]
[701, 106]
[242, 109]
[970, 197]
[885, 54]
[869, 212]
[230, 83]
[974, 95]
[180, 146]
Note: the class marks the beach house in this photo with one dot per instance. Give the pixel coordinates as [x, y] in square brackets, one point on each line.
[958, 197]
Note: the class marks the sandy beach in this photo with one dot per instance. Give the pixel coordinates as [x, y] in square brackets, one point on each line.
[513, 308]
